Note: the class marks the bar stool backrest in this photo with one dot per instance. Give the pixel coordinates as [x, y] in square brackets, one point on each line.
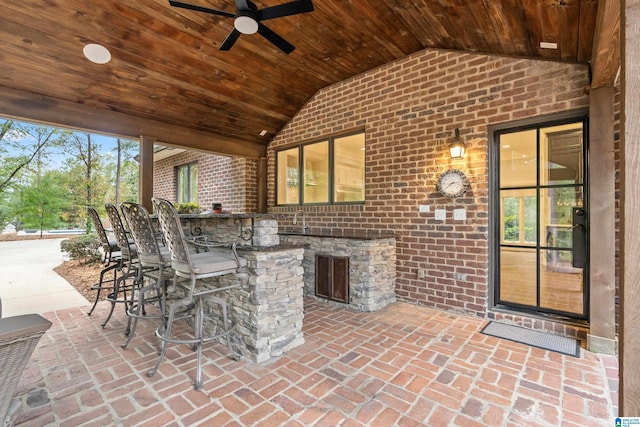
[102, 233]
[142, 231]
[119, 230]
[172, 230]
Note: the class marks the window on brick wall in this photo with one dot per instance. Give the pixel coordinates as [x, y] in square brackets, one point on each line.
[187, 183]
[330, 171]
[288, 176]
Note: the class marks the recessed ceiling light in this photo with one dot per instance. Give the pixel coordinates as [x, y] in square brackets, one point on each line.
[96, 53]
[548, 45]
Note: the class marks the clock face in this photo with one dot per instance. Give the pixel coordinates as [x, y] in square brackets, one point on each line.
[453, 183]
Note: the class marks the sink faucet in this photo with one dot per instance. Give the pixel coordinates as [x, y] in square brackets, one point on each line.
[304, 220]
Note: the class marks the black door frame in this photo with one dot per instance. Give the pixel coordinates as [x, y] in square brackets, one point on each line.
[494, 212]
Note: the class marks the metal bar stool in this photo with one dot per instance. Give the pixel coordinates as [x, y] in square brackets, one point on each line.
[221, 259]
[126, 282]
[112, 257]
[154, 261]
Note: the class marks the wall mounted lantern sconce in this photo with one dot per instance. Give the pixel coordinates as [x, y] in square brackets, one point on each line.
[457, 147]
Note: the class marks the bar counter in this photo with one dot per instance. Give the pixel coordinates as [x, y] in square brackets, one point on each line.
[269, 311]
[282, 270]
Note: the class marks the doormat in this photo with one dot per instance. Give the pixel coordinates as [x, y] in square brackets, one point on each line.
[543, 340]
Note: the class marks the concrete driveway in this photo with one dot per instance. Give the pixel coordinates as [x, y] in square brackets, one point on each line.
[28, 283]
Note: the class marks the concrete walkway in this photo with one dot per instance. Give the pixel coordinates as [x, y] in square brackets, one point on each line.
[28, 283]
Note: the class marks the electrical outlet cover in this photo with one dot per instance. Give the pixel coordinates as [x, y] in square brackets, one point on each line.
[441, 214]
[459, 214]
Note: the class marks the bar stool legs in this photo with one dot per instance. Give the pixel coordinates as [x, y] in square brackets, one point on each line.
[180, 309]
[121, 289]
[101, 284]
[137, 309]
[164, 330]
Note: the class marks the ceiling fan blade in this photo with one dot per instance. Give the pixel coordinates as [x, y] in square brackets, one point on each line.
[200, 8]
[278, 41]
[286, 9]
[230, 40]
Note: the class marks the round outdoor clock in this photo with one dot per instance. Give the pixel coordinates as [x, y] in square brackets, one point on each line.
[453, 183]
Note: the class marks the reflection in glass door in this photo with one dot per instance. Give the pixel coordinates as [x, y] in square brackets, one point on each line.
[541, 225]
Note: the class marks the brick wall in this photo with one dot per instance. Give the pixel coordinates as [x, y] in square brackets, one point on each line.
[409, 109]
[221, 179]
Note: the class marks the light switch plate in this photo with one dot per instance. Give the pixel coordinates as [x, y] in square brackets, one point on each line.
[459, 214]
[424, 208]
[441, 214]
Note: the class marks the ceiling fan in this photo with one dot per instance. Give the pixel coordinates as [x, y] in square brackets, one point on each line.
[248, 19]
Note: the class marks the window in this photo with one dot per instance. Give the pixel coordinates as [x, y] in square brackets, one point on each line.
[315, 159]
[288, 177]
[187, 184]
[322, 172]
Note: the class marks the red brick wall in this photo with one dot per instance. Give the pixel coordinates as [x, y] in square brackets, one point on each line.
[409, 109]
[221, 179]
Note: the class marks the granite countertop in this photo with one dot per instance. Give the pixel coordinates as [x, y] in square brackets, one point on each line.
[341, 234]
[280, 247]
[208, 214]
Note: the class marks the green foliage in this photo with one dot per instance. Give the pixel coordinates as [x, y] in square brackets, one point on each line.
[85, 248]
[187, 208]
[511, 219]
[48, 176]
[42, 203]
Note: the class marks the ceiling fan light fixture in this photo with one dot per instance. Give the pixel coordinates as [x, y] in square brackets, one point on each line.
[96, 53]
[245, 24]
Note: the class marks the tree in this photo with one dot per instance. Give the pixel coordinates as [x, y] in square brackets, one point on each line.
[89, 175]
[20, 144]
[118, 170]
[24, 148]
[83, 158]
[126, 172]
[43, 201]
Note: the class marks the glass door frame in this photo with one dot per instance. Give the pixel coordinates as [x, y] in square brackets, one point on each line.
[495, 228]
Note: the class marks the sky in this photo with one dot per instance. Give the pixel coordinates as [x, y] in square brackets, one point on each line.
[107, 144]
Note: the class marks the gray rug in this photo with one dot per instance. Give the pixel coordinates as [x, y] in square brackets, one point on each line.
[543, 340]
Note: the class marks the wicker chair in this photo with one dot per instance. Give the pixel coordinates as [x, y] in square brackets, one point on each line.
[126, 283]
[111, 257]
[19, 336]
[220, 259]
[154, 261]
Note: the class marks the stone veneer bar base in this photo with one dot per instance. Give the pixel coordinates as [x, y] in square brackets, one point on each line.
[372, 267]
[270, 312]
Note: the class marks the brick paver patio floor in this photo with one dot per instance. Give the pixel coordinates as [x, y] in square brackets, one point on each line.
[402, 366]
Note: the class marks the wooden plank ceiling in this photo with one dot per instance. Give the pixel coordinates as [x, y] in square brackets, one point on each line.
[166, 67]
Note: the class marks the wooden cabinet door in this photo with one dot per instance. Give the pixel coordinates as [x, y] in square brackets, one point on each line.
[332, 278]
[340, 280]
[323, 276]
